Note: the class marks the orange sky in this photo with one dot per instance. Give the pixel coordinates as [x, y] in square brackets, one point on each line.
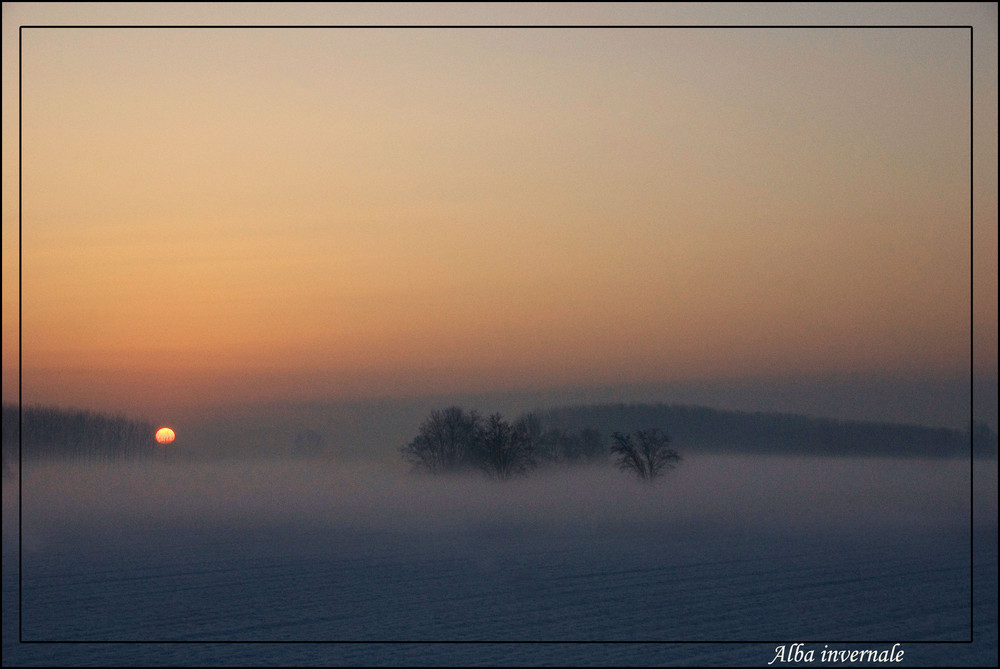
[299, 213]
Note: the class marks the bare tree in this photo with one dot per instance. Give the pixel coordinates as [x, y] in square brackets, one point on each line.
[448, 441]
[646, 453]
[508, 450]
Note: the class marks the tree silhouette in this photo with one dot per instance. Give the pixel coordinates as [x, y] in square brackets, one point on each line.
[49, 432]
[645, 453]
[452, 440]
[507, 450]
[448, 441]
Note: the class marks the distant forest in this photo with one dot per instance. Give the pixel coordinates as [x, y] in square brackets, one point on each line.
[694, 428]
[567, 434]
[69, 433]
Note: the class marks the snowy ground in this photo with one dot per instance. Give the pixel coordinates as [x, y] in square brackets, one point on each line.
[726, 561]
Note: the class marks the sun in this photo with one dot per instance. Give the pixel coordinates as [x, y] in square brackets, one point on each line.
[164, 435]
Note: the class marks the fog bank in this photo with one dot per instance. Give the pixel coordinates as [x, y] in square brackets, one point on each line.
[707, 491]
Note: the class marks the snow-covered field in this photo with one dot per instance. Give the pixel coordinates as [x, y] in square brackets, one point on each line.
[365, 564]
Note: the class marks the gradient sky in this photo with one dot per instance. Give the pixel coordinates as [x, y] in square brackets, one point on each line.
[330, 213]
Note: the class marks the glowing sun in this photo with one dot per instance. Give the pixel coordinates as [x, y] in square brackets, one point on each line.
[164, 435]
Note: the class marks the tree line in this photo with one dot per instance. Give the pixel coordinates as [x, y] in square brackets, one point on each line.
[714, 430]
[47, 432]
[456, 440]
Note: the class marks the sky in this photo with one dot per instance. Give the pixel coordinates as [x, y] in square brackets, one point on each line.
[242, 214]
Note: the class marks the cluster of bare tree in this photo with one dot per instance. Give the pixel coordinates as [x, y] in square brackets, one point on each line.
[452, 440]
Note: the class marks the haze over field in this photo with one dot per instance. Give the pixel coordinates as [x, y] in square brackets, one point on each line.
[727, 548]
[707, 492]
